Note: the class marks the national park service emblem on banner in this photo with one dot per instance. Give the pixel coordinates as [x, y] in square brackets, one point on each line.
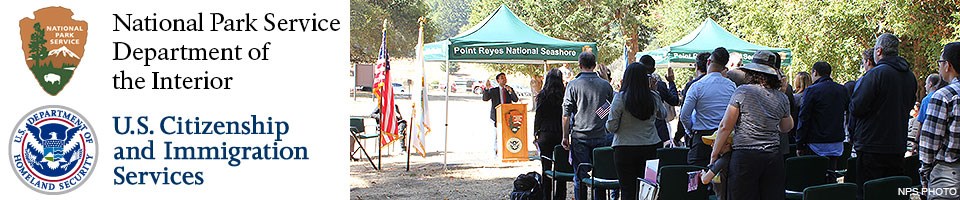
[53, 46]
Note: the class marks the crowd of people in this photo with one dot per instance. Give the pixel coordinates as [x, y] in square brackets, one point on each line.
[753, 115]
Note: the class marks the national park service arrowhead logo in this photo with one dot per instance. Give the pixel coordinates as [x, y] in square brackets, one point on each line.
[53, 46]
[516, 120]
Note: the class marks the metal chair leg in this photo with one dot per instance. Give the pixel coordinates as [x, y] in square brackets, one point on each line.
[357, 139]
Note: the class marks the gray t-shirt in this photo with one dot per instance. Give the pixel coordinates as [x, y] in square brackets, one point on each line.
[761, 110]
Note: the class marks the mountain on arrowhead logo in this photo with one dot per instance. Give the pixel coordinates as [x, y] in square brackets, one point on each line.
[53, 46]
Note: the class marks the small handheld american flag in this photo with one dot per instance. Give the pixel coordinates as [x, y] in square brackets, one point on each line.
[603, 110]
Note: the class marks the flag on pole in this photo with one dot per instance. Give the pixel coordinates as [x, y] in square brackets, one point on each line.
[422, 126]
[384, 92]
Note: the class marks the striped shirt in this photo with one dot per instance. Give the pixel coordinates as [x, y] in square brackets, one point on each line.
[940, 137]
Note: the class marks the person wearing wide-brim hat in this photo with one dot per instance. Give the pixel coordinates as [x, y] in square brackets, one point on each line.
[759, 112]
[773, 60]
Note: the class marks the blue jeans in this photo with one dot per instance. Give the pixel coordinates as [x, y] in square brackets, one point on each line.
[581, 151]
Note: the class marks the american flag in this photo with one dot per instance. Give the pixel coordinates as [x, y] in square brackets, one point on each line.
[603, 110]
[384, 92]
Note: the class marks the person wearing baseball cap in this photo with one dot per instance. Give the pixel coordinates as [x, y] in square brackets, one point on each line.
[759, 113]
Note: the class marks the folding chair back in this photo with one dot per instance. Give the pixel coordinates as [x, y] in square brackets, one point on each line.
[561, 161]
[835, 191]
[603, 164]
[674, 179]
[805, 171]
[356, 125]
[672, 156]
[886, 188]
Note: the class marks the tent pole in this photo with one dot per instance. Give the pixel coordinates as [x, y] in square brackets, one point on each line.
[446, 120]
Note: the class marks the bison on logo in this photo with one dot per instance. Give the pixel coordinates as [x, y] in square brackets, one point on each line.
[53, 46]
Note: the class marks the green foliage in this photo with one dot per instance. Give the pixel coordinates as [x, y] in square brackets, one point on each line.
[454, 67]
[366, 24]
[676, 18]
[448, 16]
[38, 51]
[833, 31]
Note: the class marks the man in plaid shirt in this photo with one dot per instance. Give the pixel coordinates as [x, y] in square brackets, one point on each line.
[940, 137]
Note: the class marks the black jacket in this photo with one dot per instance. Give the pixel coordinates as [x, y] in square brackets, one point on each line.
[668, 94]
[493, 95]
[821, 113]
[881, 107]
[549, 114]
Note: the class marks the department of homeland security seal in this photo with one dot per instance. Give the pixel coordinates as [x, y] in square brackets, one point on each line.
[53, 149]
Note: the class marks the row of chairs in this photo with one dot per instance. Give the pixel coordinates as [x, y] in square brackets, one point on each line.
[807, 177]
[672, 178]
[808, 171]
[809, 174]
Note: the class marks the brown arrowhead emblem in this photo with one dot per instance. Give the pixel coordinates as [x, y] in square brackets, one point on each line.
[53, 46]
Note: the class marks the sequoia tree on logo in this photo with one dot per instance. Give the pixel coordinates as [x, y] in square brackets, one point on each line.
[53, 46]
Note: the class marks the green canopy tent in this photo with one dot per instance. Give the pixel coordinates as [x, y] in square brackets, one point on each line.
[501, 38]
[707, 37]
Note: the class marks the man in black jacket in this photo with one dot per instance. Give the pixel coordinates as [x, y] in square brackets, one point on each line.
[503, 94]
[821, 116]
[881, 107]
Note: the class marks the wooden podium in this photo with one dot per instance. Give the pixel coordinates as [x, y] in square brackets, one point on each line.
[512, 123]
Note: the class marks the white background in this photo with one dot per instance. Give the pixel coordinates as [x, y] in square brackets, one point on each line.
[305, 82]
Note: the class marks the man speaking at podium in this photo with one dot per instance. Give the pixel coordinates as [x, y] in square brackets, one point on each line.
[503, 94]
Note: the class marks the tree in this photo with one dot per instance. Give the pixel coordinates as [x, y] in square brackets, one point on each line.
[366, 24]
[454, 67]
[923, 27]
[38, 51]
[674, 19]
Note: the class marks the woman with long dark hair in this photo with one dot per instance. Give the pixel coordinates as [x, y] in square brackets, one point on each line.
[633, 114]
[546, 124]
[759, 112]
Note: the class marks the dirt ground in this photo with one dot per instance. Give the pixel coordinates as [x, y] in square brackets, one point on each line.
[472, 172]
[428, 180]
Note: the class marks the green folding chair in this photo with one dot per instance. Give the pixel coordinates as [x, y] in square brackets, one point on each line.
[672, 156]
[604, 174]
[834, 191]
[886, 188]
[673, 182]
[358, 132]
[560, 171]
[803, 172]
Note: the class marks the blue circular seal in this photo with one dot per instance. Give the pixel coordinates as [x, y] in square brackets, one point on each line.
[53, 149]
